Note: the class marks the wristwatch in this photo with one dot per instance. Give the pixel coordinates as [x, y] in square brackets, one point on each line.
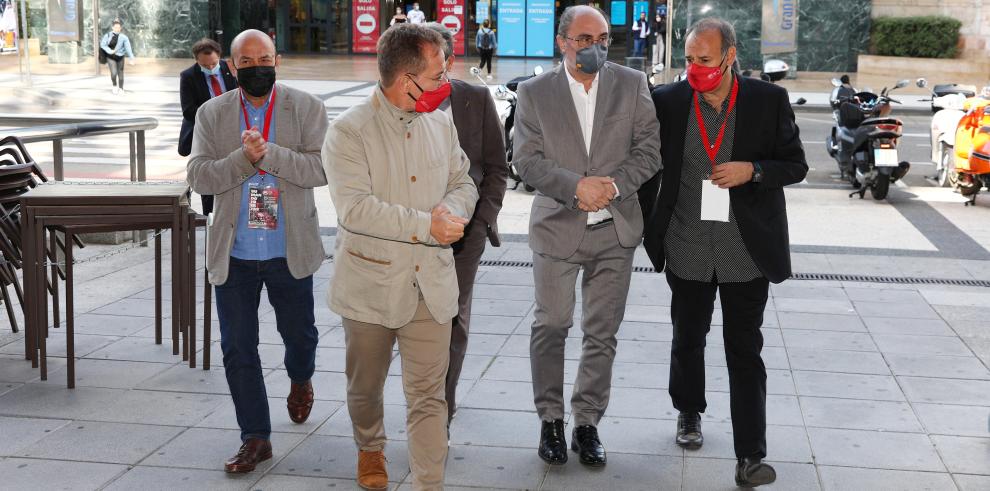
[757, 172]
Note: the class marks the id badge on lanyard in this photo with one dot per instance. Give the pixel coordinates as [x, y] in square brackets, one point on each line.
[715, 201]
[263, 205]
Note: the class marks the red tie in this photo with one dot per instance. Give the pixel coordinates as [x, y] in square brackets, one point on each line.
[216, 85]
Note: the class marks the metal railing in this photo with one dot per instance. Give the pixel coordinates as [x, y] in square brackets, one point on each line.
[34, 129]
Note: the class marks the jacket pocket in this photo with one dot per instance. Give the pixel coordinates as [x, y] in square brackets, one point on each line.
[365, 258]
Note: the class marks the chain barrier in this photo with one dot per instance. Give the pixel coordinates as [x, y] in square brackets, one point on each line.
[103, 255]
[116, 182]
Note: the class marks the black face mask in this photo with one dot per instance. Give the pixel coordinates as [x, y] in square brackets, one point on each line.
[256, 80]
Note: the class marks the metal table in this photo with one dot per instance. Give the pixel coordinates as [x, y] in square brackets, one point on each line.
[121, 206]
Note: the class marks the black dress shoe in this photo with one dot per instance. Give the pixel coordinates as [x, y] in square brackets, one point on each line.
[585, 442]
[689, 431]
[751, 472]
[553, 444]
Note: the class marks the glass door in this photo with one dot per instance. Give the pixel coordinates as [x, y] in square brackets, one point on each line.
[316, 26]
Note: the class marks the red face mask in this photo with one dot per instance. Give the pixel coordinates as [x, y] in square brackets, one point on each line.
[704, 78]
[430, 100]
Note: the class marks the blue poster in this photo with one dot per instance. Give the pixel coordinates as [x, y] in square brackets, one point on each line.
[641, 7]
[480, 12]
[539, 33]
[511, 35]
[618, 13]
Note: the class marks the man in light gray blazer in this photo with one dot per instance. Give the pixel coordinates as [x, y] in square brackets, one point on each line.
[586, 138]
[257, 150]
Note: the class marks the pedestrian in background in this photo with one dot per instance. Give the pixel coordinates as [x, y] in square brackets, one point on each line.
[416, 16]
[116, 45]
[258, 150]
[641, 34]
[209, 77]
[480, 135]
[659, 38]
[486, 43]
[398, 18]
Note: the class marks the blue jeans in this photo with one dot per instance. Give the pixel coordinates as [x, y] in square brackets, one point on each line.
[237, 309]
[639, 46]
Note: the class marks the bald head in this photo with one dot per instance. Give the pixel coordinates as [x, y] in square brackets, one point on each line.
[586, 13]
[253, 46]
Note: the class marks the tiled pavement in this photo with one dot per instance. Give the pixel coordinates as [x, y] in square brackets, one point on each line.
[871, 386]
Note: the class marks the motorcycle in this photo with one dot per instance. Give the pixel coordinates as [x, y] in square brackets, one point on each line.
[864, 139]
[971, 150]
[506, 94]
[947, 101]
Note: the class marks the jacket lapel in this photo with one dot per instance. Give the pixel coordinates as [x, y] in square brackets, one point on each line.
[605, 82]
[675, 126]
[746, 111]
[570, 117]
[283, 113]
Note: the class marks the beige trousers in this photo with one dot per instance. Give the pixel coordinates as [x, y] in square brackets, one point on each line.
[424, 348]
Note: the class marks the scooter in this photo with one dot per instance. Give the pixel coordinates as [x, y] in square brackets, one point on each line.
[971, 153]
[507, 114]
[864, 139]
[947, 101]
[775, 70]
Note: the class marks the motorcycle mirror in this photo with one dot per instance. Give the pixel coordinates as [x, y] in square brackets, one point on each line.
[836, 82]
[902, 83]
[536, 71]
[922, 83]
[800, 101]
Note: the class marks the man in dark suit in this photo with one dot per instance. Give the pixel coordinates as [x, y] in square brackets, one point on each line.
[207, 78]
[729, 145]
[480, 136]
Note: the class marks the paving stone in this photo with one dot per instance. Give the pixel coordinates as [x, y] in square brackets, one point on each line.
[55, 346]
[20, 433]
[495, 394]
[975, 298]
[226, 418]
[330, 338]
[638, 436]
[14, 368]
[849, 386]
[493, 324]
[947, 391]
[626, 472]
[327, 359]
[921, 327]
[646, 313]
[641, 375]
[781, 410]
[938, 366]
[490, 428]
[704, 474]
[914, 310]
[503, 292]
[965, 455]
[642, 352]
[110, 373]
[820, 322]
[514, 468]
[6, 387]
[162, 408]
[784, 443]
[181, 378]
[483, 306]
[56, 474]
[972, 483]
[943, 419]
[506, 276]
[815, 306]
[634, 403]
[136, 307]
[837, 361]
[849, 341]
[207, 448]
[46, 400]
[112, 443]
[859, 415]
[139, 349]
[921, 345]
[883, 295]
[339, 424]
[336, 457]
[845, 478]
[645, 331]
[872, 449]
[773, 357]
[111, 325]
[798, 290]
[169, 478]
[299, 483]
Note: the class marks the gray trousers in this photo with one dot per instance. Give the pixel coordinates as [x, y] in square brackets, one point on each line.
[467, 255]
[604, 284]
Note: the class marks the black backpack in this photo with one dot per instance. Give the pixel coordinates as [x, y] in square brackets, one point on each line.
[486, 39]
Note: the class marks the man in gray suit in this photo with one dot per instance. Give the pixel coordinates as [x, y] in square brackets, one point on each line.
[586, 139]
[257, 150]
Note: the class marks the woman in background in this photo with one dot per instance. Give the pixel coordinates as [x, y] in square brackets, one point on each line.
[116, 45]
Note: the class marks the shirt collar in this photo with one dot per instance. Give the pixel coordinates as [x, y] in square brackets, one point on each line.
[391, 112]
[250, 107]
[571, 81]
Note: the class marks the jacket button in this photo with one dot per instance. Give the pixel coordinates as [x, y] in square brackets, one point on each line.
[417, 268]
[415, 239]
[413, 178]
[408, 135]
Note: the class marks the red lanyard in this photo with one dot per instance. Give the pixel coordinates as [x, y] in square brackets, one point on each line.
[268, 118]
[712, 150]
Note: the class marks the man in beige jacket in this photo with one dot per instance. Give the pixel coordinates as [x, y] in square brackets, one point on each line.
[399, 182]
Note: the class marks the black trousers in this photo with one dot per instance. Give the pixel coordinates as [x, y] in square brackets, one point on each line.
[116, 71]
[691, 310]
[486, 58]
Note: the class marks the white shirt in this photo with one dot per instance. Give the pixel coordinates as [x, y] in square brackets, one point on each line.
[584, 105]
[416, 16]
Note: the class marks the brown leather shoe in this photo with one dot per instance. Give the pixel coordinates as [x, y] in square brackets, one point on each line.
[371, 472]
[251, 453]
[300, 401]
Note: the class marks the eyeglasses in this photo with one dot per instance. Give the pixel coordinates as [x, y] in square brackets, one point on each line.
[585, 40]
[439, 80]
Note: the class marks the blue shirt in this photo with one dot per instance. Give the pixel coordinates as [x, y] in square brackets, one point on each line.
[223, 88]
[255, 244]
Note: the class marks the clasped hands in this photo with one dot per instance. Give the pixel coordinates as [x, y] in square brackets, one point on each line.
[446, 227]
[594, 192]
[254, 145]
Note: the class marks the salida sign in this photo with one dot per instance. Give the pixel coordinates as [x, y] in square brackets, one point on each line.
[365, 29]
[451, 15]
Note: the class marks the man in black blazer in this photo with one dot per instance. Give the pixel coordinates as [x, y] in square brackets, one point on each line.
[207, 78]
[480, 135]
[736, 243]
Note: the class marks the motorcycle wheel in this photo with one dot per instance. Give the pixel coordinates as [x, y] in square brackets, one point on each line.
[881, 187]
[945, 171]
